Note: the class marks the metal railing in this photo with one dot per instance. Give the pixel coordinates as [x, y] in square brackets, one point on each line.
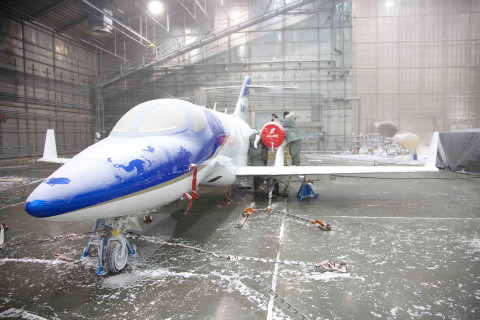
[222, 28]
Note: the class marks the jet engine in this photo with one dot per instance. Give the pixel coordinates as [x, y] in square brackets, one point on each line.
[272, 134]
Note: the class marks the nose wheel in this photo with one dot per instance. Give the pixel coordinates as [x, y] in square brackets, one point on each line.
[113, 247]
[116, 256]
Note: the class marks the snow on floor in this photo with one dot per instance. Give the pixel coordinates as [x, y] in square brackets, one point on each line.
[20, 314]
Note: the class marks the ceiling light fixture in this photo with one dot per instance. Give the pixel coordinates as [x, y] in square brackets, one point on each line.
[155, 7]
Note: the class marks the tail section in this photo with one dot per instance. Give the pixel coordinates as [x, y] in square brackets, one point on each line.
[50, 149]
[242, 103]
[432, 152]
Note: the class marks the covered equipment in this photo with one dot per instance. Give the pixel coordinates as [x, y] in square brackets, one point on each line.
[460, 151]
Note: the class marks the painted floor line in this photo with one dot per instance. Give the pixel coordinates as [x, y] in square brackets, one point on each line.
[275, 271]
[12, 205]
[403, 218]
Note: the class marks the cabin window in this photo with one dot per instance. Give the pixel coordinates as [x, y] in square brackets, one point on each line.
[198, 119]
[163, 118]
[128, 119]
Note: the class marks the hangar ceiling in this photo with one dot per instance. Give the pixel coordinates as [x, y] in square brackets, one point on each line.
[121, 18]
[102, 24]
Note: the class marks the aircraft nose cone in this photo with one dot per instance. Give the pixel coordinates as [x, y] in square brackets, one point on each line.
[37, 208]
[76, 185]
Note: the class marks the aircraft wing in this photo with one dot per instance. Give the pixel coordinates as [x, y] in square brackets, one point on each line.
[327, 170]
[279, 170]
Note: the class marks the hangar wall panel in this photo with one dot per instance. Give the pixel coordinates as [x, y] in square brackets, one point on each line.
[46, 81]
[417, 63]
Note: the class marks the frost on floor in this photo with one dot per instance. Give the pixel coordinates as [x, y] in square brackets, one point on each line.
[406, 258]
[20, 314]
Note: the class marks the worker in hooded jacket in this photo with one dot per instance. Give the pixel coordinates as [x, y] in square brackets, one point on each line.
[292, 135]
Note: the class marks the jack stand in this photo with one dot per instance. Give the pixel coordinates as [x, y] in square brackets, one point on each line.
[306, 190]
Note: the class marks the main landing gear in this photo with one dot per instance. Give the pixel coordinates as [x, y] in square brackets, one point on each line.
[113, 245]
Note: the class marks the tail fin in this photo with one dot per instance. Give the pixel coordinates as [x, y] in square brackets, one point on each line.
[432, 152]
[242, 103]
[50, 149]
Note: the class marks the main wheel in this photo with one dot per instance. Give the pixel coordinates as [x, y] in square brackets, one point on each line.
[116, 256]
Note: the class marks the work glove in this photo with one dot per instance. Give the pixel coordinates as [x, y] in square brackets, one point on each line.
[255, 143]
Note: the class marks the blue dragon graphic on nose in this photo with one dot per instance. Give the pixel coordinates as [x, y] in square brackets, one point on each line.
[149, 149]
[134, 164]
[53, 181]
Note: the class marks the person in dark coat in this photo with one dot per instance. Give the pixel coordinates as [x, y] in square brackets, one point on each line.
[292, 136]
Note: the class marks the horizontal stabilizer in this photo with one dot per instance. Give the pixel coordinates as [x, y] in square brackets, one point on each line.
[50, 149]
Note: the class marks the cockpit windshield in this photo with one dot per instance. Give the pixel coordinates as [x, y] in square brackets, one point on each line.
[152, 116]
[162, 118]
[129, 119]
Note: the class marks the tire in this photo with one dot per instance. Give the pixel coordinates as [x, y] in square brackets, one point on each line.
[116, 256]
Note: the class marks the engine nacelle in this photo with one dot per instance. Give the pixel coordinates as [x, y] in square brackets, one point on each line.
[273, 134]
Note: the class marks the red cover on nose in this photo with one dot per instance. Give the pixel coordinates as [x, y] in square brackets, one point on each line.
[273, 134]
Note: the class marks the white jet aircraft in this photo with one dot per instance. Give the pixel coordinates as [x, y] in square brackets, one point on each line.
[159, 151]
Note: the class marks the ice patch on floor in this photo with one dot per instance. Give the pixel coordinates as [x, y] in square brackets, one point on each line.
[50, 262]
[14, 181]
[20, 314]
[235, 284]
[475, 245]
[126, 279]
[394, 311]
[327, 276]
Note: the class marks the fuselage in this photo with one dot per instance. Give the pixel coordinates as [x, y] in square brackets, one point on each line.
[145, 163]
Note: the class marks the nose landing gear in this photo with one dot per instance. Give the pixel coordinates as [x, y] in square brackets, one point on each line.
[113, 247]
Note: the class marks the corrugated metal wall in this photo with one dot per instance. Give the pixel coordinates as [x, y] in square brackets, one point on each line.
[417, 63]
[46, 81]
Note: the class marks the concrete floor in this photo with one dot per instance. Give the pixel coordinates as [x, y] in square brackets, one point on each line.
[412, 247]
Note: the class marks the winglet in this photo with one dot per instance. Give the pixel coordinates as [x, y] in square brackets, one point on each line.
[242, 103]
[432, 152]
[50, 149]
